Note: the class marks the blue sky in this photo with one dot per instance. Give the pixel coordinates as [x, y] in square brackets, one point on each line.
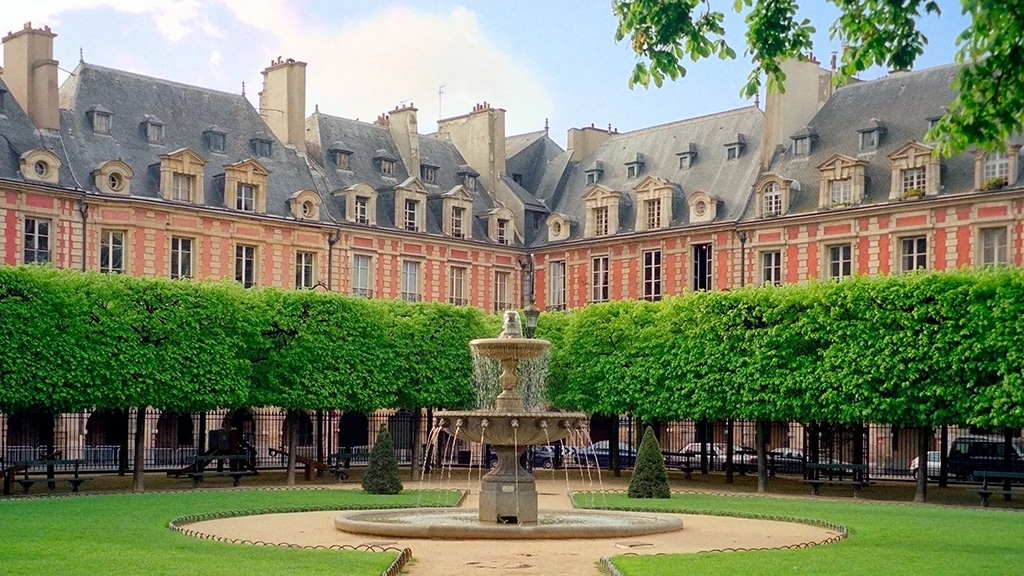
[537, 59]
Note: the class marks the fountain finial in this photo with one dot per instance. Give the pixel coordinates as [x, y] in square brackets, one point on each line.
[511, 325]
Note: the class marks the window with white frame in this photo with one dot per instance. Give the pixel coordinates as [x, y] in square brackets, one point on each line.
[599, 277]
[556, 285]
[112, 251]
[601, 221]
[732, 152]
[342, 159]
[868, 140]
[632, 171]
[840, 192]
[470, 182]
[502, 232]
[362, 210]
[411, 281]
[914, 181]
[409, 216]
[996, 167]
[913, 253]
[361, 275]
[502, 297]
[771, 268]
[801, 146]
[840, 261]
[37, 241]
[245, 265]
[305, 266]
[181, 257]
[387, 167]
[245, 197]
[428, 174]
[771, 200]
[101, 122]
[591, 178]
[653, 213]
[262, 148]
[458, 222]
[652, 275]
[993, 246]
[154, 132]
[457, 285]
[702, 279]
[181, 189]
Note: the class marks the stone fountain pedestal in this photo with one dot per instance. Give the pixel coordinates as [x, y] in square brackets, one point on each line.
[508, 494]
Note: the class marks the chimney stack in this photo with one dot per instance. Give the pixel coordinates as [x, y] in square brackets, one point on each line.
[31, 74]
[283, 101]
[405, 133]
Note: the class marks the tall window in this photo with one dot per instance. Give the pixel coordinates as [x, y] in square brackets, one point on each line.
[361, 275]
[997, 166]
[913, 254]
[37, 241]
[411, 281]
[601, 221]
[772, 200]
[653, 213]
[840, 192]
[652, 275]
[503, 232]
[599, 275]
[771, 267]
[556, 285]
[993, 247]
[458, 222]
[245, 265]
[305, 264]
[112, 252]
[702, 267]
[181, 189]
[362, 213]
[457, 285]
[502, 298]
[840, 262]
[410, 215]
[181, 258]
[913, 181]
[245, 198]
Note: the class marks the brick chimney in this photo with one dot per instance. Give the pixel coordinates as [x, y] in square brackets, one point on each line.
[31, 74]
[584, 141]
[283, 101]
[808, 87]
[480, 138]
[405, 133]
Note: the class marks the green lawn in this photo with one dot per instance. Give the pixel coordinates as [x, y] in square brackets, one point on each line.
[883, 539]
[128, 534]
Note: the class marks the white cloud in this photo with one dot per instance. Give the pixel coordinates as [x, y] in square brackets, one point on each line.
[173, 18]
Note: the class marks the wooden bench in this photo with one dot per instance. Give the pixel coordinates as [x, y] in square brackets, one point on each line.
[986, 491]
[27, 482]
[852, 475]
[235, 471]
[341, 461]
[684, 461]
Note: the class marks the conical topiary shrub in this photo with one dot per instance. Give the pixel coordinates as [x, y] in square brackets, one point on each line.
[650, 480]
[381, 476]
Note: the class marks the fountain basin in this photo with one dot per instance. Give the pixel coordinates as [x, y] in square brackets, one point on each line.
[510, 429]
[459, 523]
[509, 348]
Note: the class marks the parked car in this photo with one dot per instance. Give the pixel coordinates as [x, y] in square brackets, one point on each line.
[786, 460]
[597, 453]
[542, 456]
[934, 463]
[744, 458]
[970, 454]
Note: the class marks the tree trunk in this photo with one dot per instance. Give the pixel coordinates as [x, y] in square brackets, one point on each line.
[729, 431]
[762, 456]
[923, 440]
[417, 418]
[139, 467]
[293, 444]
[613, 447]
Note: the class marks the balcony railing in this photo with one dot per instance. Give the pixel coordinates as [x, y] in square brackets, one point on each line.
[364, 292]
[458, 301]
[502, 306]
[412, 296]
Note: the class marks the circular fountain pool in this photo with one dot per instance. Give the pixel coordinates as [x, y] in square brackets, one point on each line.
[459, 523]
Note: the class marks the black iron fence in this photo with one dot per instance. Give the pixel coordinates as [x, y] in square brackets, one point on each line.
[105, 441]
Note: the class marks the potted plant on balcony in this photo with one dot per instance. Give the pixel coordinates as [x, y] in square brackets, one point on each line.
[994, 183]
[913, 193]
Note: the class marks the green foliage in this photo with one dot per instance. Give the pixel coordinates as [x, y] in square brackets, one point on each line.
[650, 479]
[990, 84]
[381, 476]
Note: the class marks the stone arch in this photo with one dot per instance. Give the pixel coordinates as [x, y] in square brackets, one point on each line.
[353, 430]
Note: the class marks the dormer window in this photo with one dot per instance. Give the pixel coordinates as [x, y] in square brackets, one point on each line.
[40, 165]
[409, 220]
[341, 159]
[470, 182]
[181, 176]
[635, 167]
[933, 121]
[113, 177]
[385, 162]
[305, 205]
[245, 185]
[592, 178]
[428, 173]
[411, 207]
[687, 156]
[600, 215]
[101, 119]
[773, 194]
[840, 193]
[654, 199]
[734, 149]
[458, 222]
[772, 201]
[841, 182]
[154, 128]
[803, 141]
[245, 197]
[558, 227]
[502, 232]
[870, 136]
[594, 173]
[216, 139]
[602, 211]
[360, 204]
[457, 210]
[387, 167]
[261, 147]
[915, 172]
[996, 169]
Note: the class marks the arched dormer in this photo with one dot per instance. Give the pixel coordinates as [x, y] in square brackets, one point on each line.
[245, 186]
[181, 176]
[411, 205]
[360, 203]
[915, 172]
[703, 207]
[559, 227]
[40, 165]
[113, 177]
[841, 182]
[602, 211]
[305, 205]
[772, 195]
[654, 204]
[995, 169]
[500, 227]
[457, 212]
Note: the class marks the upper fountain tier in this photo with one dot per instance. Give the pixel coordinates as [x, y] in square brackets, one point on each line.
[504, 348]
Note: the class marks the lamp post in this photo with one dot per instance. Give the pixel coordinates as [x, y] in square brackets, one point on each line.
[531, 312]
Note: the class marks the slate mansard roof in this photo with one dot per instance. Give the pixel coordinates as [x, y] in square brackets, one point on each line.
[20, 136]
[188, 113]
